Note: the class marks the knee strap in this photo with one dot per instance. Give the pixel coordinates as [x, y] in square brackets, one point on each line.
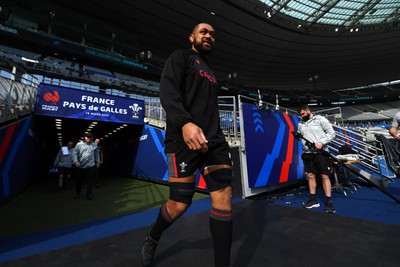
[181, 192]
[222, 175]
[218, 179]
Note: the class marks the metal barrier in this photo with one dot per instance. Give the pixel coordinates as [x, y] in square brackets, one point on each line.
[334, 115]
[154, 113]
[229, 119]
[368, 149]
[17, 95]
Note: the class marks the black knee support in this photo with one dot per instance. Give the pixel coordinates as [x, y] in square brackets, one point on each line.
[218, 179]
[181, 192]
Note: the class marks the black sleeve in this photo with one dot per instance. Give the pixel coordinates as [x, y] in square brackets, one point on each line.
[172, 79]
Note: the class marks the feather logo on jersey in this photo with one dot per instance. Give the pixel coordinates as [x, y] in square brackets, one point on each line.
[183, 166]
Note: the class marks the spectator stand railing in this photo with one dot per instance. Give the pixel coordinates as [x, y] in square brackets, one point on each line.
[334, 115]
[18, 91]
[370, 150]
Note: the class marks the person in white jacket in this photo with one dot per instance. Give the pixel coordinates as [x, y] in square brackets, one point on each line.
[395, 127]
[86, 158]
[319, 131]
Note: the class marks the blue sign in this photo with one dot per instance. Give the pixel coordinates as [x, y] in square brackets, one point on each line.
[273, 155]
[78, 104]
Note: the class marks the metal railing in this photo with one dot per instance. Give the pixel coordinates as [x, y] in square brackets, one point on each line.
[154, 113]
[229, 119]
[17, 94]
[334, 115]
[369, 149]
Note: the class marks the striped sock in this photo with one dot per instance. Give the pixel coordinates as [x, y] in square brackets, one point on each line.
[164, 220]
[221, 232]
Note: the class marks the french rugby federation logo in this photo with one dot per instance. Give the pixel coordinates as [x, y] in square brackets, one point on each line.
[52, 97]
[135, 111]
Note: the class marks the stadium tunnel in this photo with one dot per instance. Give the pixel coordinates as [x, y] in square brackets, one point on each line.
[55, 132]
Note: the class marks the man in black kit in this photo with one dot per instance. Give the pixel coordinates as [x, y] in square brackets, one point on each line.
[194, 140]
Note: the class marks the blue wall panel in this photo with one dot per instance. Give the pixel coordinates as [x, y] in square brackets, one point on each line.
[150, 160]
[19, 160]
[273, 155]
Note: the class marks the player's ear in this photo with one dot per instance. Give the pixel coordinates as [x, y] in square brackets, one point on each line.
[191, 38]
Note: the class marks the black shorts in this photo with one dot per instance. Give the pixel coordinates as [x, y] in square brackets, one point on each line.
[183, 162]
[316, 163]
[64, 170]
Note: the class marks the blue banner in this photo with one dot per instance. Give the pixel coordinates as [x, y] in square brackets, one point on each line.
[273, 155]
[78, 104]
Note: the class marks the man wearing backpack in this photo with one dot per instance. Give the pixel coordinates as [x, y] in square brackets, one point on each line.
[194, 141]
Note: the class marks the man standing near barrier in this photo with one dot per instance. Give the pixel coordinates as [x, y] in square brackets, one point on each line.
[319, 131]
[395, 127]
[194, 141]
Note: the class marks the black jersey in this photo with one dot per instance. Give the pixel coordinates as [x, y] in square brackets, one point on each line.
[189, 93]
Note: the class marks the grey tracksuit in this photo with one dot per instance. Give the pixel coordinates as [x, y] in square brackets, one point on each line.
[316, 129]
[86, 154]
[64, 161]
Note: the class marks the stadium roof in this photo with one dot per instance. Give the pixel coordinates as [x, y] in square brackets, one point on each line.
[347, 13]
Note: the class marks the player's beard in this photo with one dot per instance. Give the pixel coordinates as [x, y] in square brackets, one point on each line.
[306, 118]
[199, 46]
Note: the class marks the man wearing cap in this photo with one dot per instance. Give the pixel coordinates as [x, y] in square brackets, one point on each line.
[86, 158]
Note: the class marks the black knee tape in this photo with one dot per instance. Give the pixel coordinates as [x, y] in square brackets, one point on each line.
[218, 179]
[181, 192]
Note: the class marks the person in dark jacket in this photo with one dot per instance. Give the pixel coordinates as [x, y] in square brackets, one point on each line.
[194, 141]
[97, 170]
[64, 163]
